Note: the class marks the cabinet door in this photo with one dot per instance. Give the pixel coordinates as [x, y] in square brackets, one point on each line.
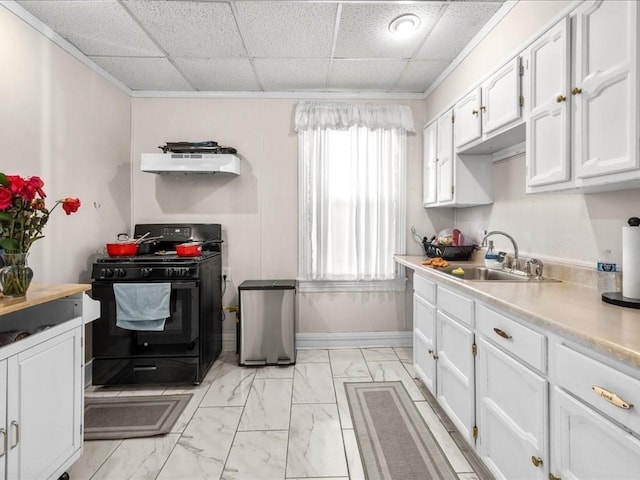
[501, 97]
[445, 171]
[588, 446]
[45, 407]
[467, 125]
[430, 163]
[605, 88]
[424, 342]
[455, 373]
[512, 415]
[3, 419]
[548, 140]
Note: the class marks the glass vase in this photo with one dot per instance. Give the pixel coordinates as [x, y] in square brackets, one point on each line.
[15, 276]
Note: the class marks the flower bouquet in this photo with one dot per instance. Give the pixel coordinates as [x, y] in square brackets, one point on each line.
[23, 215]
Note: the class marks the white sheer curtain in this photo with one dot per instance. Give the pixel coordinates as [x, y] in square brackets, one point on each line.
[352, 175]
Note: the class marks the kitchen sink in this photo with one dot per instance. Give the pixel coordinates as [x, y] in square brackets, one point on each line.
[477, 273]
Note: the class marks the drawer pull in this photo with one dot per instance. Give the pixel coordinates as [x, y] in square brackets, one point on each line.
[553, 477]
[3, 432]
[502, 333]
[16, 427]
[537, 461]
[612, 398]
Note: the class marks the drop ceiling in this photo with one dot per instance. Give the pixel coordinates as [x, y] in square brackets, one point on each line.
[266, 46]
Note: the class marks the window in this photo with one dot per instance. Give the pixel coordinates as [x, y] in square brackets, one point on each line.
[352, 195]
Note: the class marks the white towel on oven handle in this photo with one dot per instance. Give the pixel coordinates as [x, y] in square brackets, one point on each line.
[142, 306]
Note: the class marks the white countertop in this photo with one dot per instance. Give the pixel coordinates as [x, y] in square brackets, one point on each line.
[571, 310]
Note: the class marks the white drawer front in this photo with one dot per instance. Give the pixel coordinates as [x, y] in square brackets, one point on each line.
[526, 344]
[578, 374]
[456, 305]
[425, 288]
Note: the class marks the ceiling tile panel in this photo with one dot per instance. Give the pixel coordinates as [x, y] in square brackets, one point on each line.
[292, 74]
[95, 28]
[190, 29]
[220, 74]
[144, 73]
[456, 28]
[419, 75]
[365, 75]
[364, 30]
[287, 29]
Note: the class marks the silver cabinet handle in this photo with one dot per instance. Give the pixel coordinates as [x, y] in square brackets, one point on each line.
[15, 425]
[3, 432]
[612, 398]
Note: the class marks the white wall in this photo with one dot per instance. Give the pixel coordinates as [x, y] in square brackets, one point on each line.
[574, 228]
[259, 208]
[64, 123]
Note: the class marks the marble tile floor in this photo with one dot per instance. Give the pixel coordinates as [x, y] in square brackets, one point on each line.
[267, 423]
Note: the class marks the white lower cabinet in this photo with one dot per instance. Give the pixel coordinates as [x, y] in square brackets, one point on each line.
[588, 446]
[523, 397]
[455, 373]
[512, 415]
[424, 331]
[42, 417]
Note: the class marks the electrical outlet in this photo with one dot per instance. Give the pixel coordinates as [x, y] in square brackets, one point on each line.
[226, 274]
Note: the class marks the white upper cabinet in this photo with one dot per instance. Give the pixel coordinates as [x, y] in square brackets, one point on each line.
[430, 139]
[449, 179]
[485, 117]
[582, 127]
[445, 159]
[501, 99]
[468, 122]
[547, 74]
[604, 88]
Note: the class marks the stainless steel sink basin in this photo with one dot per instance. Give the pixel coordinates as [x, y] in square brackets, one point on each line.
[477, 273]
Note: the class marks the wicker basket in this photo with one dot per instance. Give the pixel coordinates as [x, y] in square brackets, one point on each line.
[448, 252]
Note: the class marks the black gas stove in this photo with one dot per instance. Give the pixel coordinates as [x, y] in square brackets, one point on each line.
[192, 335]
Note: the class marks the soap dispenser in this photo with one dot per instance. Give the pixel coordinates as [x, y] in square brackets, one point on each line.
[492, 258]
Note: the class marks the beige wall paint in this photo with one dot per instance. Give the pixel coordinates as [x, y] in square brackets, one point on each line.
[61, 121]
[574, 228]
[259, 208]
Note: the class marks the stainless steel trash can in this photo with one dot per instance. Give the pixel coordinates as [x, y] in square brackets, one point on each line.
[267, 319]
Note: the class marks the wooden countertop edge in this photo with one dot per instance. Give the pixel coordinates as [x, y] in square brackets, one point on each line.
[39, 293]
[603, 338]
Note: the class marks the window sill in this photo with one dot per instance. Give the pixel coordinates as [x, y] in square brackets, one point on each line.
[311, 286]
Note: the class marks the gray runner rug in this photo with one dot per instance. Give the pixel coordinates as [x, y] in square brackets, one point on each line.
[395, 443]
[131, 417]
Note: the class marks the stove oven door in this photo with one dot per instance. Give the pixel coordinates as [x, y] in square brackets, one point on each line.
[128, 356]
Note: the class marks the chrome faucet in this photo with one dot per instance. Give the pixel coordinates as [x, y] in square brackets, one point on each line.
[516, 261]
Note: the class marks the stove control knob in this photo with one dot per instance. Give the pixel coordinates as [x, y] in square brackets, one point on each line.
[121, 272]
[183, 272]
[107, 272]
[145, 271]
[168, 272]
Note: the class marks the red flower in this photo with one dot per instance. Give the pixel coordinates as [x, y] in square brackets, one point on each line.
[36, 184]
[6, 198]
[70, 205]
[16, 184]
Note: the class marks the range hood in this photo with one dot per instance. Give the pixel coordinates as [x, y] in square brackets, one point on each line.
[190, 163]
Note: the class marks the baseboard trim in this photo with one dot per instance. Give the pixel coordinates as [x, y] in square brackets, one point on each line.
[338, 340]
[354, 339]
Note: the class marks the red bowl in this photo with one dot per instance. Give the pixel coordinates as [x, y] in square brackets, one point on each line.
[189, 250]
